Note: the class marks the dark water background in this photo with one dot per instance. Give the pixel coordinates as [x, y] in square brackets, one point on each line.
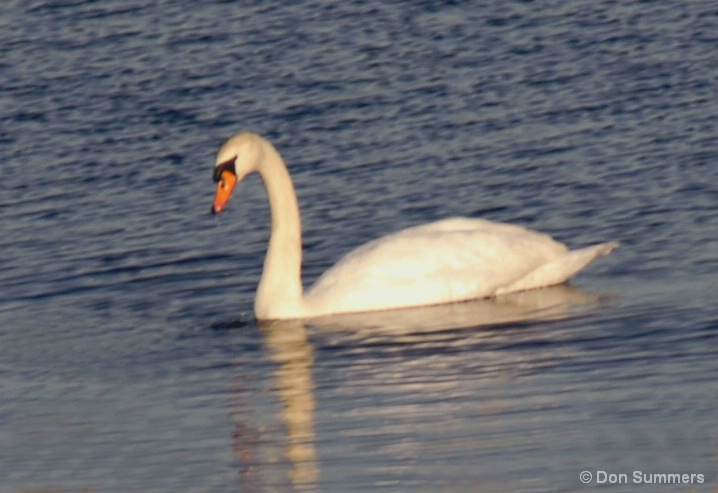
[129, 357]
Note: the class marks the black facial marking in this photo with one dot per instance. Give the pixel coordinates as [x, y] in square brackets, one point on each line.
[225, 166]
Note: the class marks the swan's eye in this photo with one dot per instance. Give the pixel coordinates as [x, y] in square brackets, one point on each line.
[225, 166]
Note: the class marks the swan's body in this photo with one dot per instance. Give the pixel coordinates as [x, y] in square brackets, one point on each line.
[441, 262]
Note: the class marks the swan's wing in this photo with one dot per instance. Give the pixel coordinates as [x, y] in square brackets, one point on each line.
[450, 260]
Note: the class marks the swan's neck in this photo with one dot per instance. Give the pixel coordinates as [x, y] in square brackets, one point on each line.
[279, 294]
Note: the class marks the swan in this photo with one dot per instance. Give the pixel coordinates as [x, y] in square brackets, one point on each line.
[450, 260]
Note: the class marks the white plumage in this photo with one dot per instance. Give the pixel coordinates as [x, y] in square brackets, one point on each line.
[446, 261]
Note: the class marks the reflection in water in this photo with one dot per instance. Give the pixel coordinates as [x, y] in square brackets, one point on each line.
[553, 303]
[253, 446]
[288, 345]
[245, 440]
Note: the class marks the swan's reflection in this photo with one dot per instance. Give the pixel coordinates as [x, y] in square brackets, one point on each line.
[539, 304]
[288, 345]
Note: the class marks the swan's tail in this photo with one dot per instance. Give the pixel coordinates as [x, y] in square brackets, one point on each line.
[598, 250]
[561, 269]
[566, 267]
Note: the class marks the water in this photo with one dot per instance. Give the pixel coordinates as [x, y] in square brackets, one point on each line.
[129, 357]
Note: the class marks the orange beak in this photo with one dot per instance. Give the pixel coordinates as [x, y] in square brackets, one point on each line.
[224, 191]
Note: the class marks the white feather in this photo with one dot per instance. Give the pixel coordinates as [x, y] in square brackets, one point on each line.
[446, 261]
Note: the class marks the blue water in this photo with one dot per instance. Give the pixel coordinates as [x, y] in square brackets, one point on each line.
[129, 357]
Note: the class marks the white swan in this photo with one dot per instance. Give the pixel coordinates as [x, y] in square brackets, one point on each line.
[441, 262]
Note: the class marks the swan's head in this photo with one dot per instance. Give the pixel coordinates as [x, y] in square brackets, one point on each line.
[237, 158]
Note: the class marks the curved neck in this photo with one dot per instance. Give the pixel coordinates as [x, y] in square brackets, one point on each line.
[279, 294]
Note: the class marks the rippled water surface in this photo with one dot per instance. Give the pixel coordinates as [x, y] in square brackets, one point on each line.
[129, 357]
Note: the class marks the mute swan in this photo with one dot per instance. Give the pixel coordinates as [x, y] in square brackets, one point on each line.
[445, 261]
